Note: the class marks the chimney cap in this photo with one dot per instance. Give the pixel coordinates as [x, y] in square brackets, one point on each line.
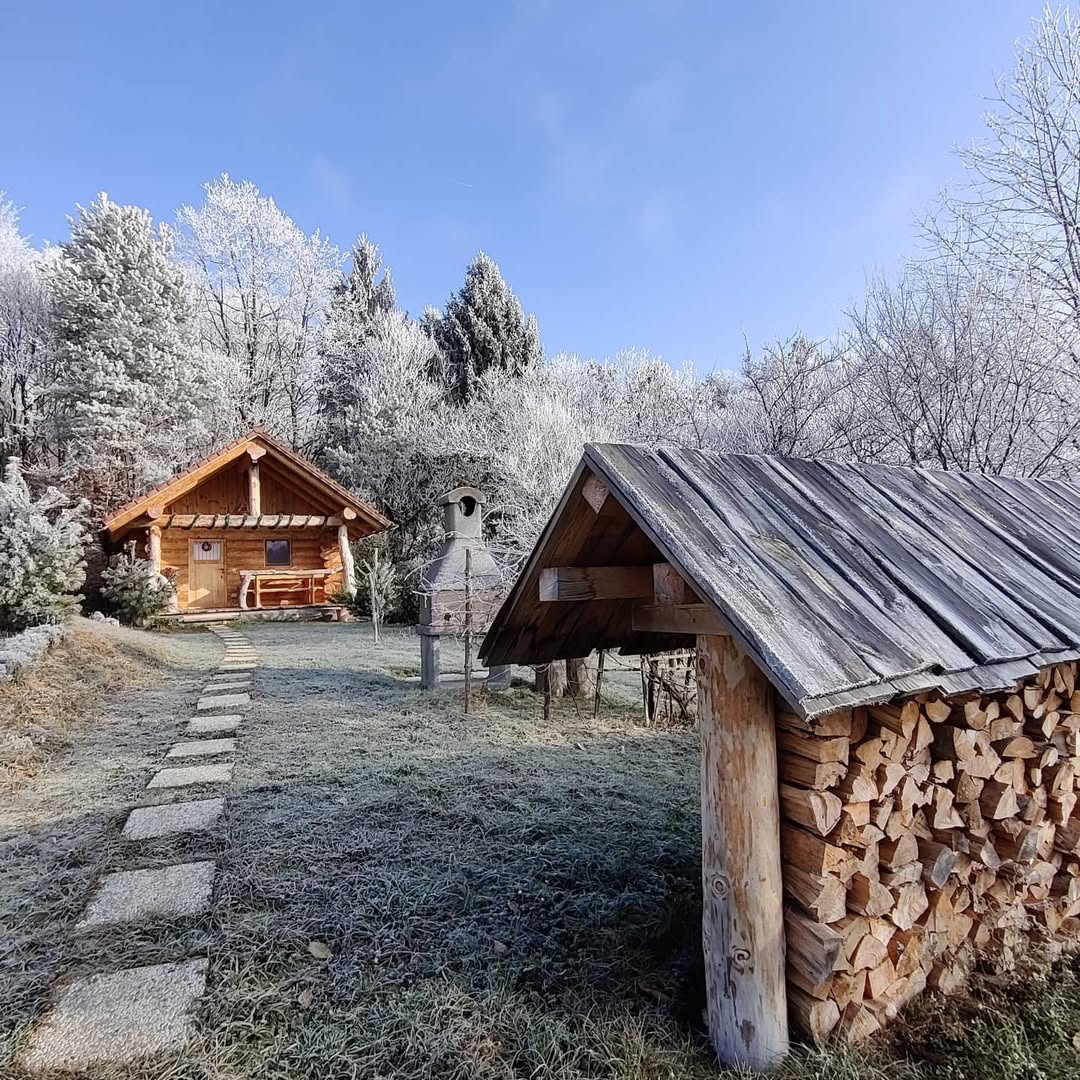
[460, 493]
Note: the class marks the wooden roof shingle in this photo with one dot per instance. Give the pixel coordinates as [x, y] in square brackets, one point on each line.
[848, 584]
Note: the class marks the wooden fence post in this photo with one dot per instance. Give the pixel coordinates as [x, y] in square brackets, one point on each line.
[743, 916]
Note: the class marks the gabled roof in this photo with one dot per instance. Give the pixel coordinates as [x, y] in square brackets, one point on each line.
[277, 452]
[847, 584]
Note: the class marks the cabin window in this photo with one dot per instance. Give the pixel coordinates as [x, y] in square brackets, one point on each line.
[278, 553]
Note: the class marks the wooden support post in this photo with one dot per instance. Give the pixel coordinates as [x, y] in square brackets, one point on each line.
[153, 548]
[599, 681]
[468, 628]
[743, 929]
[429, 662]
[254, 489]
[348, 569]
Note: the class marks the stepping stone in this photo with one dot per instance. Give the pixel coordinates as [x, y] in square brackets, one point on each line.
[202, 748]
[191, 774]
[118, 1018]
[222, 701]
[218, 688]
[145, 822]
[224, 678]
[130, 895]
[225, 669]
[209, 725]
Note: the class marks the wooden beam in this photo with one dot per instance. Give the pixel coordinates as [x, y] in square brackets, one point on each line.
[743, 911]
[595, 492]
[348, 569]
[596, 583]
[348, 513]
[677, 619]
[153, 548]
[255, 452]
[669, 587]
[254, 486]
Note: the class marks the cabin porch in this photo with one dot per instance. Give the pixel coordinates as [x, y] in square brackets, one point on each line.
[239, 569]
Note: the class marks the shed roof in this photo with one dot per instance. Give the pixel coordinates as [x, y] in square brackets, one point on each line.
[848, 584]
[127, 516]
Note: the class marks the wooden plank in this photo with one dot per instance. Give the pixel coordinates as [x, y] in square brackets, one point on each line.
[913, 558]
[780, 541]
[743, 918]
[595, 492]
[568, 583]
[677, 619]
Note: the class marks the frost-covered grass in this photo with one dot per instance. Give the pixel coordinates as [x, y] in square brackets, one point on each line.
[502, 898]
[19, 652]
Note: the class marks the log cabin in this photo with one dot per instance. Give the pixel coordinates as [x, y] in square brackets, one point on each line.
[253, 528]
[888, 704]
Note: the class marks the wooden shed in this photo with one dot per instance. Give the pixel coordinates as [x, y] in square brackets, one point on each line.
[887, 698]
[253, 527]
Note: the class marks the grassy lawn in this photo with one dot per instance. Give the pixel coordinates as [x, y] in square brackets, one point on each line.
[500, 898]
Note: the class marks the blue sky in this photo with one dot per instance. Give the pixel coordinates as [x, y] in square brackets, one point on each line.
[661, 173]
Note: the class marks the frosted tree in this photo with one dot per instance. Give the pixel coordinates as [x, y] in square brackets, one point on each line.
[42, 541]
[129, 380]
[1019, 213]
[261, 286]
[354, 317]
[483, 327]
[957, 371]
[387, 409]
[26, 366]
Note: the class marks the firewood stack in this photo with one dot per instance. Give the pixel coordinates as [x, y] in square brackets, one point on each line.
[920, 836]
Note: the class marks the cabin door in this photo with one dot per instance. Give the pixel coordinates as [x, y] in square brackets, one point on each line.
[206, 574]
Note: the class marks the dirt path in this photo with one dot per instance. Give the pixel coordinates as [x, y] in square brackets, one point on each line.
[498, 898]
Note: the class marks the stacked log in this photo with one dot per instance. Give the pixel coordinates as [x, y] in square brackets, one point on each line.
[921, 835]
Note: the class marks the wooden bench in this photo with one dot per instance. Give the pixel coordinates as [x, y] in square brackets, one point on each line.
[283, 585]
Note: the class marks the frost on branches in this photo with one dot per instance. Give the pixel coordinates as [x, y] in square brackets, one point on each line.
[483, 328]
[41, 553]
[129, 380]
[261, 286]
[25, 357]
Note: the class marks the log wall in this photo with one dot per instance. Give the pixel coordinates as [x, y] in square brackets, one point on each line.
[922, 836]
[312, 549]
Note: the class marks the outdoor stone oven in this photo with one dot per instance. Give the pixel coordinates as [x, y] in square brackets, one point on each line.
[463, 564]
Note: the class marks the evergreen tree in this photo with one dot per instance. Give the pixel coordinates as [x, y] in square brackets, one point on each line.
[356, 312]
[41, 553]
[130, 381]
[483, 327]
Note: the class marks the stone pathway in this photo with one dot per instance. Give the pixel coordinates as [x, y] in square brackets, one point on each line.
[123, 1016]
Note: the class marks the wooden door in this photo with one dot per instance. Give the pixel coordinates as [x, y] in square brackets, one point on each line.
[206, 574]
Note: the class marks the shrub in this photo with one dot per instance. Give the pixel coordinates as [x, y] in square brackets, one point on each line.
[42, 563]
[134, 591]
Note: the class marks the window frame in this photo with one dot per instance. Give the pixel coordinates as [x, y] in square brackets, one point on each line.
[266, 552]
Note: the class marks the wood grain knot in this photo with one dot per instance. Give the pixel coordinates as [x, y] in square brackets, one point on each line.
[740, 959]
[720, 886]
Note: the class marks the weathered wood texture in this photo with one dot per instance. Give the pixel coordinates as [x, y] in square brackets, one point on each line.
[945, 830]
[743, 927]
[230, 491]
[847, 584]
[246, 550]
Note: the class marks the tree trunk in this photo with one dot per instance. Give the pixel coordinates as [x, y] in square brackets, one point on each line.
[580, 678]
[551, 675]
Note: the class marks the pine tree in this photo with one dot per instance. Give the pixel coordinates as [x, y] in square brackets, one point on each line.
[484, 327]
[130, 375]
[358, 305]
[42, 541]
